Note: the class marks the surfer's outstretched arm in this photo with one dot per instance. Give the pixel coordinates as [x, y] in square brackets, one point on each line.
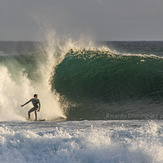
[26, 103]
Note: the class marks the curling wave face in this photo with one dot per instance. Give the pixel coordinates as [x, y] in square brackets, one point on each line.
[94, 80]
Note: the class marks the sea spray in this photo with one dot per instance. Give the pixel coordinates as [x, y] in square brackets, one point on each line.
[52, 55]
[24, 74]
[11, 95]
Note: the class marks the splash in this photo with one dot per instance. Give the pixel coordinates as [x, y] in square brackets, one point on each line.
[11, 95]
[23, 75]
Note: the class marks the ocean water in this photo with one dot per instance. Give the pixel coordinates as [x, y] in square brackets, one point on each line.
[82, 141]
[102, 101]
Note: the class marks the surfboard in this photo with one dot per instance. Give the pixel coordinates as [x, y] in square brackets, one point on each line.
[56, 119]
[37, 120]
[41, 120]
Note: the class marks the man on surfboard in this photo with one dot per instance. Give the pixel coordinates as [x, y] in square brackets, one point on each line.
[36, 106]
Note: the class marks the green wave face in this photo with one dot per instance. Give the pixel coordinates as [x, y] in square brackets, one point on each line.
[97, 79]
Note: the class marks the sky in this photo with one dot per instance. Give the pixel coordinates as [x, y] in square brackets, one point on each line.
[100, 19]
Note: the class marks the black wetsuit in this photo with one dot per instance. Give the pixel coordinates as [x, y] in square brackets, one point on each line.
[36, 104]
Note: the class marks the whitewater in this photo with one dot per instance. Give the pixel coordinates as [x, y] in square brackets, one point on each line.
[82, 141]
[102, 101]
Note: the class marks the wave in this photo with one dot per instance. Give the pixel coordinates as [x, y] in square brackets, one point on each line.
[93, 80]
[79, 81]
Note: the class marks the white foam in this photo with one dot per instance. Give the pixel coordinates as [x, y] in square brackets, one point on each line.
[11, 95]
[13, 92]
[71, 143]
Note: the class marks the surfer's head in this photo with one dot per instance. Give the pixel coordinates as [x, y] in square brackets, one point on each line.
[35, 96]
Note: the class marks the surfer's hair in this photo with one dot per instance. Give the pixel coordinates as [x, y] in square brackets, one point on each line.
[34, 95]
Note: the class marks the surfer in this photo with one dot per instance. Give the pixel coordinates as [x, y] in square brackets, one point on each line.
[36, 103]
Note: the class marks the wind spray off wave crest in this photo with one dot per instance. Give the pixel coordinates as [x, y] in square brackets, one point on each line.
[52, 55]
[23, 75]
